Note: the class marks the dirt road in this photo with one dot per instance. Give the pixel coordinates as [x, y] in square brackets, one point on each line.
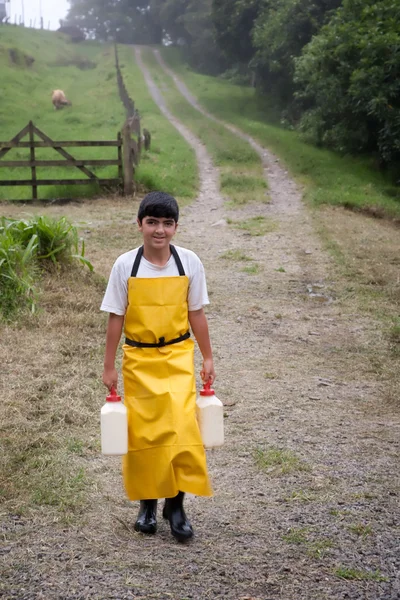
[306, 486]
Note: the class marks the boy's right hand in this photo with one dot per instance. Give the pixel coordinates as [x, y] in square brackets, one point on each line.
[110, 378]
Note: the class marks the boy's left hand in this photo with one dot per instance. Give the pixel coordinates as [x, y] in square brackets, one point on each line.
[207, 373]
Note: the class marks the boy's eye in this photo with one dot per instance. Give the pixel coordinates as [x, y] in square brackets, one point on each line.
[165, 223]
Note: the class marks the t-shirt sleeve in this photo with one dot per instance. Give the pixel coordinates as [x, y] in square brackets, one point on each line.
[116, 297]
[198, 296]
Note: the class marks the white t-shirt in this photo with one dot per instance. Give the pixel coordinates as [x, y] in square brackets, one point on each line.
[116, 297]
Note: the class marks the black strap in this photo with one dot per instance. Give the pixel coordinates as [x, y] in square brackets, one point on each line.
[160, 343]
[137, 262]
[177, 260]
[174, 253]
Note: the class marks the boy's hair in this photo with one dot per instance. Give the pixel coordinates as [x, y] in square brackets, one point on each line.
[159, 205]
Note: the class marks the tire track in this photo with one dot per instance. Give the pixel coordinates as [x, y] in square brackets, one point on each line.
[284, 194]
[208, 173]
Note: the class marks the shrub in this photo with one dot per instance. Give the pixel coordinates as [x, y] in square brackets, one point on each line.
[26, 247]
[349, 80]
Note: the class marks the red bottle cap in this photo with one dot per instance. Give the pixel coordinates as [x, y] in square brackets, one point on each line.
[113, 396]
[207, 390]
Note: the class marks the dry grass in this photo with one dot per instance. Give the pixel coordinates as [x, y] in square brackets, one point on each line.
[49, 417]
[367, 252]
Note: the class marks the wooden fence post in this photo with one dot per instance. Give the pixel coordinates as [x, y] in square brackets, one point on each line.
[128, 162]
[119, 151]
[33, 168]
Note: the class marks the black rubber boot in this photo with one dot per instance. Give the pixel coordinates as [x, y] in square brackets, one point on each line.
[146, 521]
[181, 528]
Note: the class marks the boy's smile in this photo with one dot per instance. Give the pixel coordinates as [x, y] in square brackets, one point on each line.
[157, 232]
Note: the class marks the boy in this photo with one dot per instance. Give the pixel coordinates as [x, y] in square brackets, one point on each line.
[155, 292]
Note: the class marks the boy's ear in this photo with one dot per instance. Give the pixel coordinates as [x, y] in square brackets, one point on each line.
[139, 223]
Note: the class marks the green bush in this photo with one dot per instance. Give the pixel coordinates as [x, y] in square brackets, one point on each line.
[349, 80]
[26, 247]
[18, 274]
[281, 31]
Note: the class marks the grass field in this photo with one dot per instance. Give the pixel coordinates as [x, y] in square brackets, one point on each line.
[328, 178]
[81, 70]
[86, 73]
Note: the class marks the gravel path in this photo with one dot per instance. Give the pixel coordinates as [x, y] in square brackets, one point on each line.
[291, 371]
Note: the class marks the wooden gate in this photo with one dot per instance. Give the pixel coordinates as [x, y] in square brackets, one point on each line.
[69, 160]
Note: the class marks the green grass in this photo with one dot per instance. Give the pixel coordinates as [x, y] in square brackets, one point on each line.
[255, 226]
[241, 179]
[251, 269]
[277, 461]
[170, 165]
[347, 181]
[300, 496]
[96, 112]
[300, 537]
[27, 248]
[361, 529]
[359, 574]
[296, 536]
[55, 480]
[271, 375]
[319, 548]
[394, 334]
[236, 255]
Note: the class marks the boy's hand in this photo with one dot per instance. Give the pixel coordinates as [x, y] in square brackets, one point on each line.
[207, 373]
[110, 378]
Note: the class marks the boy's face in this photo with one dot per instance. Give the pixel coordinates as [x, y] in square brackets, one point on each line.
[157, 231]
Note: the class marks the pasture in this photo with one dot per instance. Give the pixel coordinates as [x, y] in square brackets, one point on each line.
[86, 73]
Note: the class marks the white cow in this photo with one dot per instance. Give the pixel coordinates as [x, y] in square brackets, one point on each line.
[59, 99]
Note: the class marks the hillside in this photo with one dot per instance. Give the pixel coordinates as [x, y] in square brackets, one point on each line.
[81, 70]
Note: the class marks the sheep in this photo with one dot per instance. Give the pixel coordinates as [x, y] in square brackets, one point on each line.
[59, 99]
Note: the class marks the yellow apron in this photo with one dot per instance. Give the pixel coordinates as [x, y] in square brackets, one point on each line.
[165, 450]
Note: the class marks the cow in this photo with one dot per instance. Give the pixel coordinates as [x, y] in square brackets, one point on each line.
[59, 99]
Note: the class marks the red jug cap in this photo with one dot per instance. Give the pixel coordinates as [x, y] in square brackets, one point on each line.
[113, 396]
[207, 390]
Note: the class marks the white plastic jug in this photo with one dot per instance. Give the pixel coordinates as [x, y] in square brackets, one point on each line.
[210, 417]
[114, 425]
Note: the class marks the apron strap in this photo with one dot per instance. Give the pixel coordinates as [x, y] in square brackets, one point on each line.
[177, 260]
[174, 253]
[137, 262]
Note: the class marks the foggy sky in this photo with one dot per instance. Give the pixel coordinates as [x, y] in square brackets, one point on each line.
[52, 11]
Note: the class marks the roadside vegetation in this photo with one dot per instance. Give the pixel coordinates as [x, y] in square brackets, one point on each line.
[328, 177]
[27, 248]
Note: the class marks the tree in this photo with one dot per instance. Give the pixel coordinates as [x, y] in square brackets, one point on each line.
[234, 23]
[188, 23]
[349, 80]
[125, 21]
[171, 15]
[281, 31]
